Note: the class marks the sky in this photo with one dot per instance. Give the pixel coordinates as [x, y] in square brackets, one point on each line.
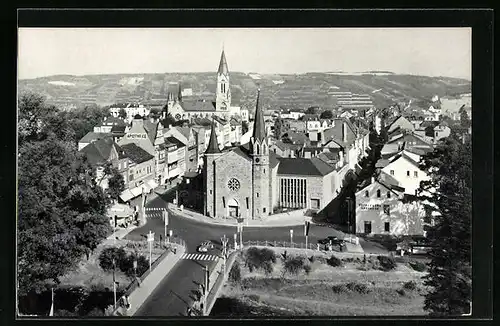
[82, 51]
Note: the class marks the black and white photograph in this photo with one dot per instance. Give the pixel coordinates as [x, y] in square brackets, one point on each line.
[244, 172]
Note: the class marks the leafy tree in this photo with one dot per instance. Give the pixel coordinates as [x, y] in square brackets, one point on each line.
[61, 209]
[108, 254]
[449, 193]
[116, 184]
[168, 121]
[122, 113]
[312, 110]
[84, 120]
[464, 117]
[327, 114]
[278, 124]
[244, 127]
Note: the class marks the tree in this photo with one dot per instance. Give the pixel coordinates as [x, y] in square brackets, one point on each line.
[168, 121]
[122, 113]
[244, 127]
[61, 209]
[464, 117]
[312, 110]
[449, 193]
[116, 184]
[84, 120]
[327, 114]
[278, 124]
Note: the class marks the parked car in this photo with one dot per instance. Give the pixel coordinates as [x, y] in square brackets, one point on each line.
[205, 246]
[334, 240]
[416, 245]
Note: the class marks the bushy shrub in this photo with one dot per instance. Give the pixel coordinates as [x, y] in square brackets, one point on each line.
[127, 265]
[107, 255]
[307, 269]
[96, 312]
[418, 266]
[334, 261]
[267, 266]
[410, 286]
[254, 297]
[235, 273]
[358, 287]
[386, 263]
[260, 259]
[293, 265]
[339, 288]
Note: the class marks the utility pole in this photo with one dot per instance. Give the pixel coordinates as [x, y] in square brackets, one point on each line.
[241, 236]
[224, 249]
[151, 237]
[165, 219]
[291, 238]
[206, 292]
[114, 283]
[235, 241]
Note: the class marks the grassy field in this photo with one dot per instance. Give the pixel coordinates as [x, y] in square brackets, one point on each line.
[353, 289]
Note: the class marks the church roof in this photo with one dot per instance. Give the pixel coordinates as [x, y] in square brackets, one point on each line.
[304, 166]
[198, 105]
[223, 65]
[259, 129]
[213, 144]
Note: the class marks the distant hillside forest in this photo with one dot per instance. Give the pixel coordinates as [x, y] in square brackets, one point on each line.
[290, 91]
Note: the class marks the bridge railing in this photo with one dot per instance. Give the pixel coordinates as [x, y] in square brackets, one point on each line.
[169, 249]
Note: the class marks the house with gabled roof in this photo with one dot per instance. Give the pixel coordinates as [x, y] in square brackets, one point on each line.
[381, 209]
[400, 122]
[404, 167]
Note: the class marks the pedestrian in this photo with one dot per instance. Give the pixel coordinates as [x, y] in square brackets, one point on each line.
[364, 258]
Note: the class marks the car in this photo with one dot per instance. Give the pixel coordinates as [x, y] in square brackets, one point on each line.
[205, 246]
[333, 239]
[414, 245]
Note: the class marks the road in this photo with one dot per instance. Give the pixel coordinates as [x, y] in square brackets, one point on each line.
[175, 293]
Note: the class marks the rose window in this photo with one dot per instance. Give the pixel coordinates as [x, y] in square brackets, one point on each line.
[233, 184]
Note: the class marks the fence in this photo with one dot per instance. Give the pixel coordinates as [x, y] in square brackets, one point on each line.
[138, 280]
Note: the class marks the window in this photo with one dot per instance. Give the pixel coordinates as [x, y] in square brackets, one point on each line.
[387, 209]
[257, 195]
[210, 192]
[367, 194]
[368, 227]
[386, 227]
[378, 193]
[264, 210]
[264, 170]
[407, 173]
[388, 194]
[392, 172]
[415, 174]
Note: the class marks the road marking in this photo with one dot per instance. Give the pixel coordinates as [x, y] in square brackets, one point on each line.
[194, 256]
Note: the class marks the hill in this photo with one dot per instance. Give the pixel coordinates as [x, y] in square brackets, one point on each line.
[293, 91]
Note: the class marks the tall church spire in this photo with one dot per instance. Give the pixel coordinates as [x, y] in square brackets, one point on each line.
[213, 144]
[259, 128]
[223, 70]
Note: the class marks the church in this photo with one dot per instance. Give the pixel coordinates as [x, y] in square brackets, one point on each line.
[250, 181]
[188, 108]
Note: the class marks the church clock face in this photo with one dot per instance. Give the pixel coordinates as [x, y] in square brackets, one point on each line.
[233, 184]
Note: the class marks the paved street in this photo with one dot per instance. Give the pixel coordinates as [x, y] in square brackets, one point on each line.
[174, 293]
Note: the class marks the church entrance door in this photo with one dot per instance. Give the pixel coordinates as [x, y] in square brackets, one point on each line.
[233, 208]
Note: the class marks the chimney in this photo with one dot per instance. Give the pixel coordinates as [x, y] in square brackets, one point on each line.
[373, 179]
[344, 132]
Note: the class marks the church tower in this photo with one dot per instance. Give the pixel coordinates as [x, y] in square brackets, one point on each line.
[259, 146]
[223, 93]
[211, 154]
[170, 101]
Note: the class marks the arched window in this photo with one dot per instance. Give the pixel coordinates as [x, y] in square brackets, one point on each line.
[388, 194]
[263, 148]
[367, 193]
[257, 149]
[378, 193]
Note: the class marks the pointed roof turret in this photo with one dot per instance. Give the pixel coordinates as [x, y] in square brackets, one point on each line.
[259, 128]
[213, 144]
[223, 65]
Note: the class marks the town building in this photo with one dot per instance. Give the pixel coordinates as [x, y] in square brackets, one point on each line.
[381, 209]
[221, 106]
[250, 181]
[141, 171]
